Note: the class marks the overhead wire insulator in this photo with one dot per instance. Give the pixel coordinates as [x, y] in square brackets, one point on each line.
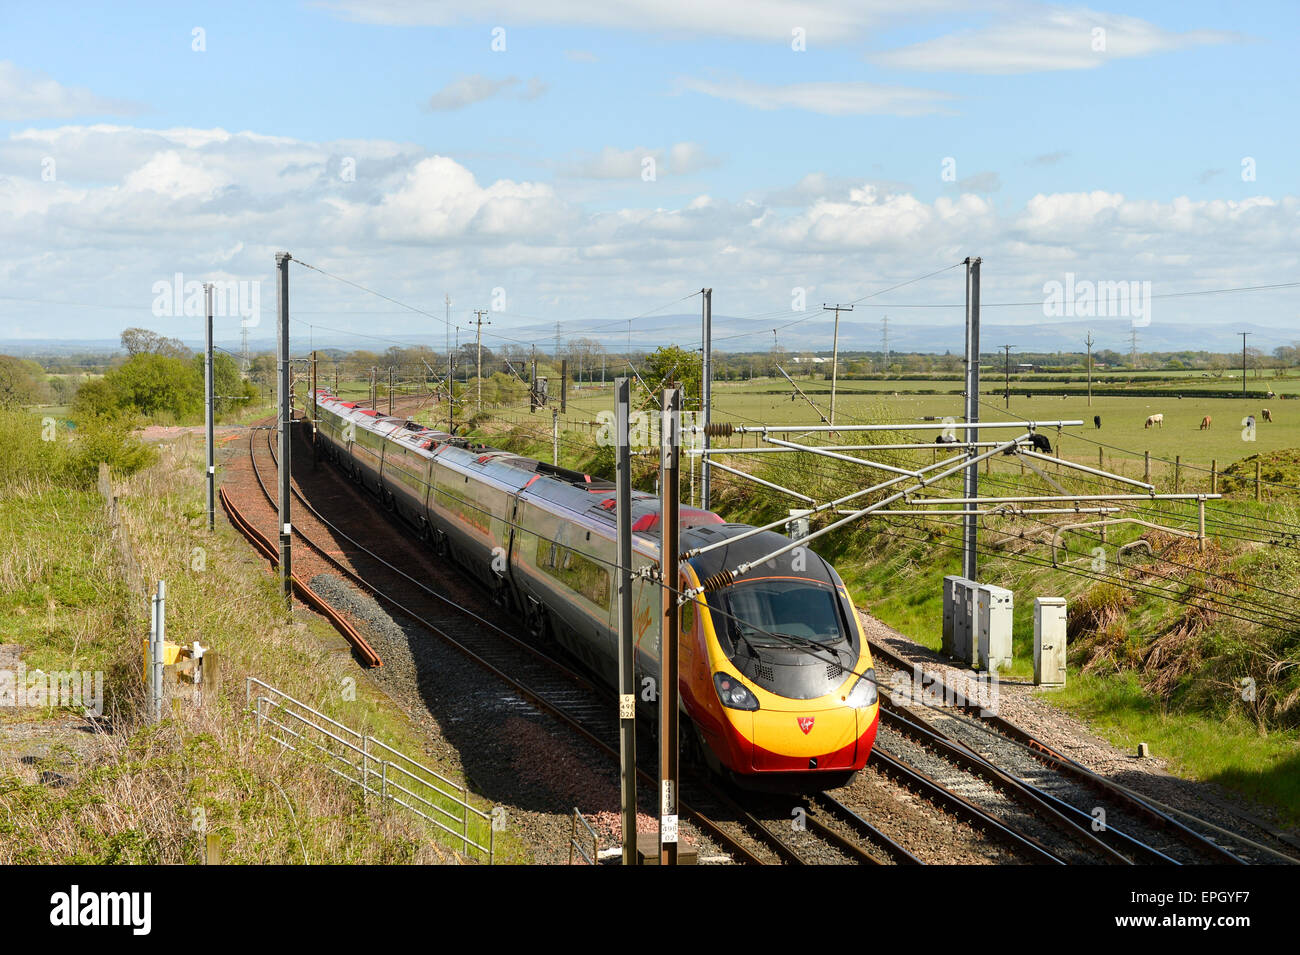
[719, 429]
[717, 581]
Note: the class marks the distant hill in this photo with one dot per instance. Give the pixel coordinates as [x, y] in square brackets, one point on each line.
[813, 332]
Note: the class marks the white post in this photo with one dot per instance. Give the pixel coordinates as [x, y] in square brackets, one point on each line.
[156, 661]
[1049, 641]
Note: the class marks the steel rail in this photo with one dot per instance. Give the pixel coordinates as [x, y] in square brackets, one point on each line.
[844, 814]
[998, 778]
[359, 643]
[960, 806]
[1067, 765]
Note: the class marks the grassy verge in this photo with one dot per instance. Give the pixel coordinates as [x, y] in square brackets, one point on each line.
[149, 793]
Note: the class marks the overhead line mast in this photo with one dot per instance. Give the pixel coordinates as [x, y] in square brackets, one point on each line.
[835, 351]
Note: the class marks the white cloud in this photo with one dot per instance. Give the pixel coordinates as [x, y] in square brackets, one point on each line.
[475, 88]
[610, 163]
[1042, 39]
[826, 22]
[830, 98]
[440, 199]
[25, 94]
[132, 206]
[169, 175]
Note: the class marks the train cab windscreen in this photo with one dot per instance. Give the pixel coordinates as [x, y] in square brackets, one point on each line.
[760, 611]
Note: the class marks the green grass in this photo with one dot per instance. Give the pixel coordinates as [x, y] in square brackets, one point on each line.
[60, 596]
[1230, 751]
[57, 599]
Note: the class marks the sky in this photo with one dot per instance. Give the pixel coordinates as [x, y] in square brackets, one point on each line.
[597, 163]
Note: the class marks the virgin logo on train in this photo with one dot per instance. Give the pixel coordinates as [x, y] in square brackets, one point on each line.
[806, 724]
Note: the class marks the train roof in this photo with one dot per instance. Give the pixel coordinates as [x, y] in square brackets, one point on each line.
[751, 548]
[582, 494]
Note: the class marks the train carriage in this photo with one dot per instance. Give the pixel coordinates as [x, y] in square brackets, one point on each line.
[775, 680]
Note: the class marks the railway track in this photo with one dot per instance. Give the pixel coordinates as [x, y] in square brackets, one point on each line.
[1131, 829]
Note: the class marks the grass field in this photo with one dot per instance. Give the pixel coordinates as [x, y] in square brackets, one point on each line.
[1121, 440]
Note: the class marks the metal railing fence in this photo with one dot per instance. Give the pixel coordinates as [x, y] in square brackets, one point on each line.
[577, 840]
[376, 767]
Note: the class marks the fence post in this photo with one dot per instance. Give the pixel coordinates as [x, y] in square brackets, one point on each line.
[1257, 497]
[1214, 475]
[1200, 524]
[365, 768]
[1178, 470]
[383, 783]
[1146, 468]
[1101, 465]
[156, 656]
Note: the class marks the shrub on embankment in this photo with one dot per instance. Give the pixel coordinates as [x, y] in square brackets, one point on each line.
[44, 450]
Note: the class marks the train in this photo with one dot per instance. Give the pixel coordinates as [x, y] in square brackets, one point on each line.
[776, 679]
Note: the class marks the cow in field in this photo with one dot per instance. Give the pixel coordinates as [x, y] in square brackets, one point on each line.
[1038, 442]
[1096, 421]
[1205, 422]
[946, 439]
[1268, 415]
[1155, 419]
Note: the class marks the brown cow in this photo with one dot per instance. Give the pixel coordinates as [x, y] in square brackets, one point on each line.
[1268, 415]
[1205, 422]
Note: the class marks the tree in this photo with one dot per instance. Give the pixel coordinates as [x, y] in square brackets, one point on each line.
[147, 384]
[228, 388]
[669, 363]
[141, 341]
[21, 382]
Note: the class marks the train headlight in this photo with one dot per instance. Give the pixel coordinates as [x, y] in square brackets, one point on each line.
[863, 693]
[733, 693]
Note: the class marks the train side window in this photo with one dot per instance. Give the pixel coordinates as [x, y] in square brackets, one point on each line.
[575, 571]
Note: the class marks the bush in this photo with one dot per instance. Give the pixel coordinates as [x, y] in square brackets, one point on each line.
[108, 439]
[146, 384]
[42, 450]
[27, 457]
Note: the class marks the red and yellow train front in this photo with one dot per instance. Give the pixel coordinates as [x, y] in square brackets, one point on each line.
[781, 678]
